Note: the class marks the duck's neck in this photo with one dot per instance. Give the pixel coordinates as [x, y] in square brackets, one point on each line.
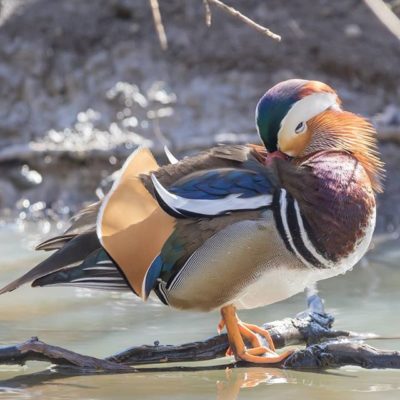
[343, 204]
[336, 202]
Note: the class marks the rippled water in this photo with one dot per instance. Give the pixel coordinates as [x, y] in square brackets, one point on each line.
[100, 323]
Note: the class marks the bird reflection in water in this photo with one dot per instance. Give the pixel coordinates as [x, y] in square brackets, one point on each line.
[237, 379]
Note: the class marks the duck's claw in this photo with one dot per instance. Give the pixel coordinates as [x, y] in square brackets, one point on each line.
[254, 356]
[261, 331]
[229, 352]
[239, 331]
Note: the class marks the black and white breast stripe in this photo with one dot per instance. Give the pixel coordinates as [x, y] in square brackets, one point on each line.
[294, 232]
[161, 293]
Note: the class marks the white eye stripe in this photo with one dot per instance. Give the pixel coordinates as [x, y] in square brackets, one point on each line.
[305, 109]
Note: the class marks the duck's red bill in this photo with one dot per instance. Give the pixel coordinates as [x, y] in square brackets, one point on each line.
[276, 154]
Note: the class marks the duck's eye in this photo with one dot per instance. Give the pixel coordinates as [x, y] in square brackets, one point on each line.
[300, 127]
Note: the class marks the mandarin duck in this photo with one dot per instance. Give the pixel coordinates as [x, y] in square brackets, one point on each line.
[236, 226]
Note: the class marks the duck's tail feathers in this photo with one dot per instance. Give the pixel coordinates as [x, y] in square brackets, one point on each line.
[55, 243]
[83, 222]
[97, 271]
[73, 253]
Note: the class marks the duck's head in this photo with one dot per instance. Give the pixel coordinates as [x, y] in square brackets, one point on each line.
[299, 118]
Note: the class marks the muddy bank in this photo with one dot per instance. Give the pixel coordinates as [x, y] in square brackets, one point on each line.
[83, 83]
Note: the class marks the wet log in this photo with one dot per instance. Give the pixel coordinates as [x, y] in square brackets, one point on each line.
[36, 350]
[325, 348]
[309, 327]
[340, 353]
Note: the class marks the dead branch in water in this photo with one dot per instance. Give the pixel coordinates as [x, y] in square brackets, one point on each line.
[312, 328]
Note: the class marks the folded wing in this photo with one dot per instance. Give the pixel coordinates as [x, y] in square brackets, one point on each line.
[215, 192]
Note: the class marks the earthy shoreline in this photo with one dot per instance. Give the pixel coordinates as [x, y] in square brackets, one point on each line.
[84, 83]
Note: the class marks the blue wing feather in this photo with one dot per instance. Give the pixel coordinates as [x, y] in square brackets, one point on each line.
[218, 184]
[215, 192]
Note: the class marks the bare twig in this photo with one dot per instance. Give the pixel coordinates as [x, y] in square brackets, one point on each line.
[385, 15]
[207, 12]
[235, 13]
[162, 37]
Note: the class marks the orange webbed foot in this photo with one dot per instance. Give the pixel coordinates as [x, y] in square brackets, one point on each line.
[238, 331]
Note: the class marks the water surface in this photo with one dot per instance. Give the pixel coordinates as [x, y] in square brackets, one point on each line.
[102, 323]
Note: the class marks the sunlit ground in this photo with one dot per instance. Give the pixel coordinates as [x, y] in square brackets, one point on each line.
[100, 323]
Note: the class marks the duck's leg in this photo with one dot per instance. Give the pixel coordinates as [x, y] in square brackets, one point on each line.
[237, 330]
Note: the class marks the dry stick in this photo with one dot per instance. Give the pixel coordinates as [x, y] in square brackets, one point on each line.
[162, 37]
[36, 350]
[385, 15]
[207, 12]
[235, 13]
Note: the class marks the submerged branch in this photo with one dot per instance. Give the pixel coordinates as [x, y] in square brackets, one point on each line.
[312, 328]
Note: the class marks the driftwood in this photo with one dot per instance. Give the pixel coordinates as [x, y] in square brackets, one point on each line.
[325, 348]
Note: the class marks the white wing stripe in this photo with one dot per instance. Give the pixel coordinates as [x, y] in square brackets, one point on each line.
[99, 269]
[105, 262]
[171, 158]
[98, 278]
[231, 202]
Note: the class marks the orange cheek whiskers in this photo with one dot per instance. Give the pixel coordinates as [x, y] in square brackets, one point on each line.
[345, 131]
